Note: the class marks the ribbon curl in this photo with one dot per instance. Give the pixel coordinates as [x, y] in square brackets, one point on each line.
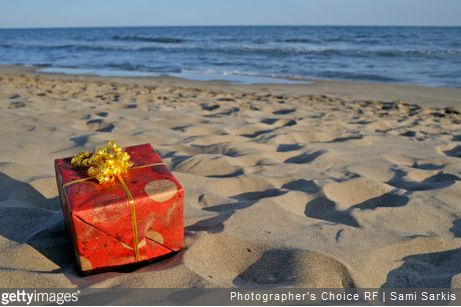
[105, 164]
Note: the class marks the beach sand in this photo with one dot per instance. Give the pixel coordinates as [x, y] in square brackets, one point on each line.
[331, 184]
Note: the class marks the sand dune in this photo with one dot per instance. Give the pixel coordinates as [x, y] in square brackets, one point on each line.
[286, 186]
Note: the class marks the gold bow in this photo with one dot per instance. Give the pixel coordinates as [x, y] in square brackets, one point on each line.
[105, 164]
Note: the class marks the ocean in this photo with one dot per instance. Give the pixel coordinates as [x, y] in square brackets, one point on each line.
[429, 56]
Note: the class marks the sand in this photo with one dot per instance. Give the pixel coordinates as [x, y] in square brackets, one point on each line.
[331, 184]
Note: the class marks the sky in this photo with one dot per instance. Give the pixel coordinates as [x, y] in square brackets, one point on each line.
[114, 13]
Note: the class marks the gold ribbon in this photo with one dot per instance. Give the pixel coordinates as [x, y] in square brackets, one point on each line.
[106, 164]
[133, 218]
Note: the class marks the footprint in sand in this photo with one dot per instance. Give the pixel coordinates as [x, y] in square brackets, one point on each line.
[285, 267]
[17, 105]
[420, 180]
[450, 150]
[131, 106]
[305, 158]
[98, 125]
[275, 122]
[248, 131]
[102, 114]
[289, 147]
[355, 191]
[412, 174]
[427, 270]
[283, 111]
[316, 159]
[256, 133]
[338, 201]
[220, 256]
[356, 139]
[208, 165]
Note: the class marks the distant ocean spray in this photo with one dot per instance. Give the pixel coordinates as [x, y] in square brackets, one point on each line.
[412, 55]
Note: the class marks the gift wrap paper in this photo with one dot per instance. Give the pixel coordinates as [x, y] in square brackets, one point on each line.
[137, 217]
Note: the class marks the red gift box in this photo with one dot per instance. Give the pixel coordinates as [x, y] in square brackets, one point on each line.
[137, 217]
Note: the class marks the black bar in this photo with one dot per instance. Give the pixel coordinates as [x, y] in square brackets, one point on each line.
[230, 297]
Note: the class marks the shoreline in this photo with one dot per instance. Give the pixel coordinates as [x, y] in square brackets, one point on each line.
[434, 97]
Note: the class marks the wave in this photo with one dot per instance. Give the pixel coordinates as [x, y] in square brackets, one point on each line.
[305, 40]
[297, 40]
[410, 53]
[237, 73]
[165, 40]
[358, 77]
[89, 47]
[85, 47]
[37, 64]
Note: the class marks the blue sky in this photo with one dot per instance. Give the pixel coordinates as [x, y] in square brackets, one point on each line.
[108, 13]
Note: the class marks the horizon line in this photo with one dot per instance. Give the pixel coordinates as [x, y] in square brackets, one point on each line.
[191, 26]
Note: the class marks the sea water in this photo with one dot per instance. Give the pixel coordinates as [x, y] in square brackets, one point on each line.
[428, 56]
